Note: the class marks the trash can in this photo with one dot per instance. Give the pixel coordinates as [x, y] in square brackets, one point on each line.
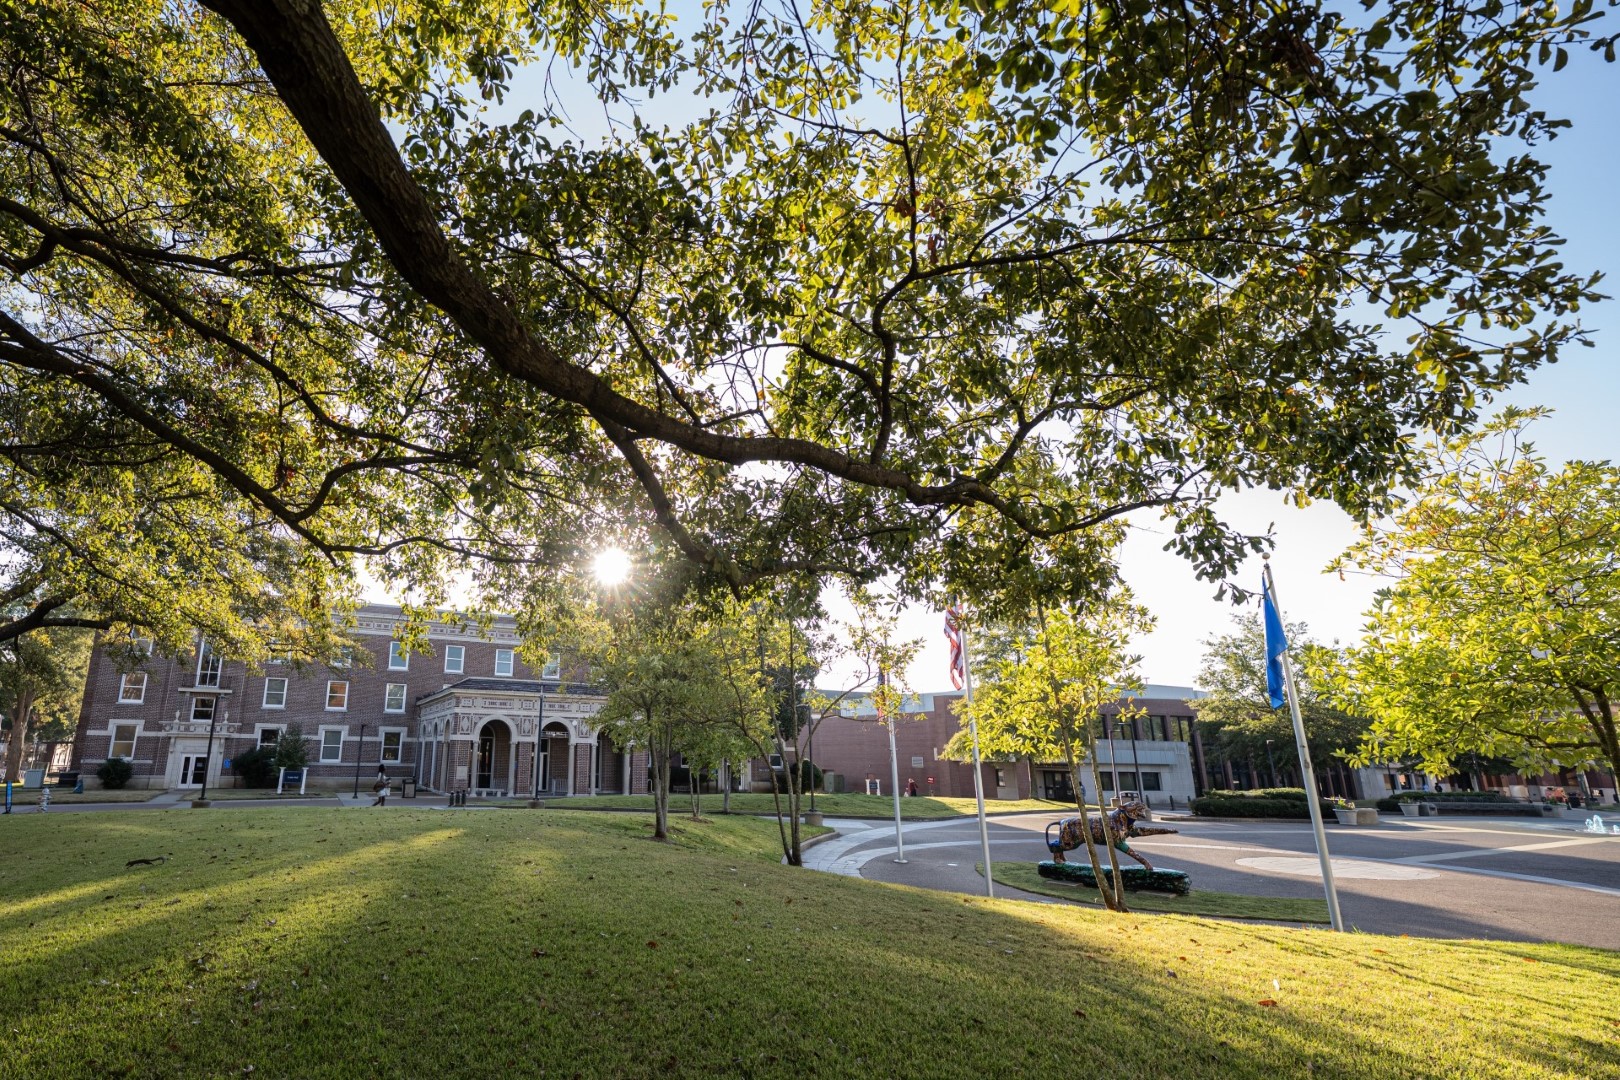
[33, 778]
[67, 779]
[409, 788]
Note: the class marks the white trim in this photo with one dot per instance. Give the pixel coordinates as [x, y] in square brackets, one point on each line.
[510, 655]
[320, 734]
[553, 667]
[285, 689]
[213, 708]
[382, 745]
[337, 682]
[135, 735]
[460, 654]
[398, 658]
[260, 729]
[404, 691]
[124, 686]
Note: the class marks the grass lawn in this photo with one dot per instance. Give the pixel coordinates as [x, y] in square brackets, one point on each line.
[237, 794]
[920, 808]
[30, 797]
[326, 942]
[1199, 902]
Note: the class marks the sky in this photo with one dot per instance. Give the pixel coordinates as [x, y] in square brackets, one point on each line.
[1583, 389]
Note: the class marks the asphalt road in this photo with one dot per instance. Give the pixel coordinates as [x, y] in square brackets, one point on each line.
[1452, 877]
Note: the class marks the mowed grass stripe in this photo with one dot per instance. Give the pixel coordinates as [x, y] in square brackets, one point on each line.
[338, 943]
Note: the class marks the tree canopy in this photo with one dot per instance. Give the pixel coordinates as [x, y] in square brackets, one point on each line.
[933, 286]
[1236, 715]
[1500, 632]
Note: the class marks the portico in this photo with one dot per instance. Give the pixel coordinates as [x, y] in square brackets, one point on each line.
[505, 737]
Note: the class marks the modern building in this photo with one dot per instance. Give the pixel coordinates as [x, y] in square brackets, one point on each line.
[468, 714]
[1158, 753]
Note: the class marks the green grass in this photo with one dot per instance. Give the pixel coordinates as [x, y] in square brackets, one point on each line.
[919, 808]
[60, 796]
[326, 942]
[1199, 902]
[234, 794]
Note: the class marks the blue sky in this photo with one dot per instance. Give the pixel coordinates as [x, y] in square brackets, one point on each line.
[1583, 388]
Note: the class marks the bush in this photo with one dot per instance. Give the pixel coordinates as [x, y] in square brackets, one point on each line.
[115, 773]
[1244, 805]
[809, 777]
[256, 767]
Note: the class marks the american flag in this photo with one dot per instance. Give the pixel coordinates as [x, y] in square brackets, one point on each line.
[953, 634]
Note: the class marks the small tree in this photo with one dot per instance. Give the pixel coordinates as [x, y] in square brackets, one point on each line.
[291, 751]
[1045, 699]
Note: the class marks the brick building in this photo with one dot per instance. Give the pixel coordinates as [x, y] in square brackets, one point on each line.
[1159, 753]
[468, 715]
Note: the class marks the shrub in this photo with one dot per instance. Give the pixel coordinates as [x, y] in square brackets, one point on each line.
[115, 773]
[809, 777]
[1233, 804]
[291, 751]
[256, 767]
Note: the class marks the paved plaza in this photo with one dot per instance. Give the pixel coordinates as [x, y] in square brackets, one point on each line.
[1450, 877]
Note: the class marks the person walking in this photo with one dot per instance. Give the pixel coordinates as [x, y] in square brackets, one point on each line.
[382, 787]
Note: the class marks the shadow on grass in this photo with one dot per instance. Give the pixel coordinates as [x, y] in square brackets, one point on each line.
[417, 943]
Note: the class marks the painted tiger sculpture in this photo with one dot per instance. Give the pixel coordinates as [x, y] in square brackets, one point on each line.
[1115, 827]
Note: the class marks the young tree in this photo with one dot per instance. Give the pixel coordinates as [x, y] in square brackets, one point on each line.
[291, 750]
[1500, 631]
[927, 288]
[1236, 716]
[1046, 700]
[41, 685]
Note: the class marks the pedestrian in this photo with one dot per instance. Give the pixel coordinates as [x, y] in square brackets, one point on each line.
[911, 786]
[382, 788]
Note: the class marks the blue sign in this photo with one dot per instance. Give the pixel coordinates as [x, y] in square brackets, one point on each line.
[227, 763]
[293, 776]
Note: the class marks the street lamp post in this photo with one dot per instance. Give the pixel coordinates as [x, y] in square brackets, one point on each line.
[208, 755]
[359, 748]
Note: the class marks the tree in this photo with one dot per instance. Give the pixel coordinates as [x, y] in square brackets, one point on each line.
[1500, 631]
[41, 686]
[1236, 715]
[926, 287]
[1046, 700]
[291, 751]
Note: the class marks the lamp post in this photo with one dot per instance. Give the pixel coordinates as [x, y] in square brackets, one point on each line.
[208, 755]
[539, 734]
[1272, 762]
[894, 770]
[358, 751]
[1136, 763]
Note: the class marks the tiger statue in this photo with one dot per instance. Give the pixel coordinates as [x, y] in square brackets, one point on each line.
[1115, 827]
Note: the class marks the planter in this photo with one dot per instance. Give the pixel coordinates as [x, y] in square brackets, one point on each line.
[1357, 815]
[537, 804]
[201, 804]
[812, 817]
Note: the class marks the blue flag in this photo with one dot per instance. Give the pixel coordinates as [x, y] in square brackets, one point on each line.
[1276, 643]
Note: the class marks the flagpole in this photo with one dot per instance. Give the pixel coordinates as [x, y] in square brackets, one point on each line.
[978, 772]
[1313, 800]
[894, 771]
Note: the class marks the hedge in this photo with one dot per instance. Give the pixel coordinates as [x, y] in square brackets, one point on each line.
[1242, 804]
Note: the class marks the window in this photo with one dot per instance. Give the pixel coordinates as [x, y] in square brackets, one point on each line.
[268, 737]
[394, 699]
[331, 745]
[455, 657]
[202, 710]
[398, 658]
[141, 645]
[344, 658]
[208, 665]
[1150, 781]
[503, 661]
[337, 695]
[123, 741]
[553, 667]
[1001, 777]
[132, 689]
[393, 739]
[278, 655]
[275, 693]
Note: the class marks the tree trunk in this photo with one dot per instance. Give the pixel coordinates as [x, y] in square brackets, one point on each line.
[659, 748]
[19, 734]
[1116, 899]
[725, 787]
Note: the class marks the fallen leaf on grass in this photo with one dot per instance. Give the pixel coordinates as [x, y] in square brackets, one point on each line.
[1267, 1002]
